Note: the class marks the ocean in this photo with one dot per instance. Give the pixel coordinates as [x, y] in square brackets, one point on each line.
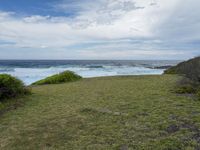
[30, 71]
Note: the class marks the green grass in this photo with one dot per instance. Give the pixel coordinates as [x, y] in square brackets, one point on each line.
[133, 112]
[63, 77]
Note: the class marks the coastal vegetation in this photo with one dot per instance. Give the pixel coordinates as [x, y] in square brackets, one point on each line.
[190, 70]
[129, 112]
[66, 76]
[11, 87]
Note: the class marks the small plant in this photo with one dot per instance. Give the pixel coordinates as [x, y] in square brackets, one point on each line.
[11, 87]
[66, 76]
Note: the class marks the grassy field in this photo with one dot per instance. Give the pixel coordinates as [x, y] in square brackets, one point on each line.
[122, 113]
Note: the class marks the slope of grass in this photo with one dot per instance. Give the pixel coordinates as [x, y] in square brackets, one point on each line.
[134, 112]
[63, 77]
[191, 71]
[190, 68]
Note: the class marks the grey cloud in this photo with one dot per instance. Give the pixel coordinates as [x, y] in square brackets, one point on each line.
[180, 30]
[116, 26]
[183, 23]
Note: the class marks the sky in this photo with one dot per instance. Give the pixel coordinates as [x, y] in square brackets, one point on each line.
[99, 29]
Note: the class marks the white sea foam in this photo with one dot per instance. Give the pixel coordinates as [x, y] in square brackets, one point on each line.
[30, 75]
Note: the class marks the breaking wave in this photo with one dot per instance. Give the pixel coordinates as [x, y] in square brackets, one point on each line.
[31, 71]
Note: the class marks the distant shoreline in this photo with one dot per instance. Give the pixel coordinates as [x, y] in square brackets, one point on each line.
[30, 71]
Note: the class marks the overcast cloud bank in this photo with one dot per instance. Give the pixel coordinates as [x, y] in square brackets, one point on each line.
[103, 29]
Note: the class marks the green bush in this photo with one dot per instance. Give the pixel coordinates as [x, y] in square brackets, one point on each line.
[11, 87]
[67, 76]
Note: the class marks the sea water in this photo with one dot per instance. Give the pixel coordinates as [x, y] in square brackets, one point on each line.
[30, 71]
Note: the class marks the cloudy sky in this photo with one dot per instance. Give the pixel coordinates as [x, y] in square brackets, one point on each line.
[99, 29]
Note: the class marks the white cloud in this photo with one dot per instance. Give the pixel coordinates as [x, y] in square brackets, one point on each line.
[36, 18]
[101, 11]
[183, 23]
[4, 15]
[135, 54]
[138, 26]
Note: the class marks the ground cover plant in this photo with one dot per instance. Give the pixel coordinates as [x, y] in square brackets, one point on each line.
[132, 112]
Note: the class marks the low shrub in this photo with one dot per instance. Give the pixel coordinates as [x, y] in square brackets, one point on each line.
[11, 87]
[66, 76]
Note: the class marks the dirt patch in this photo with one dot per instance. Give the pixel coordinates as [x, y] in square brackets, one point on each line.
[191, 128]
[195, 130]
[172, 129]
[124, 147]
